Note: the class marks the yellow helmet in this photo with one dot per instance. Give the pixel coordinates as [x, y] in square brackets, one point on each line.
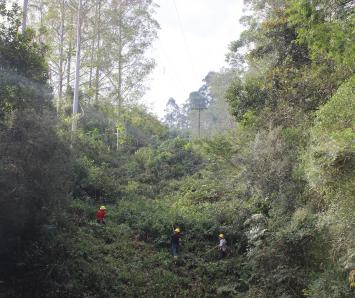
[352, 279]
[177, 230]
[102, 208]
[221, 235]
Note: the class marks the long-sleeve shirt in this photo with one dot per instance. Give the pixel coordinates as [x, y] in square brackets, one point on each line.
[222, 244]
[175, 239]
[100, 215]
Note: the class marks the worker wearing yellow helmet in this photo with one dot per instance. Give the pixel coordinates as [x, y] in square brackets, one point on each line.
[100, 215]
[175, 240]
[222, 246]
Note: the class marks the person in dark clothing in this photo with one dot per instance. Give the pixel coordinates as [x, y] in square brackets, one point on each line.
[175, 242]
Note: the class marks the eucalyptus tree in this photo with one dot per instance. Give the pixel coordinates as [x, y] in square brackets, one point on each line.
[131, 31]
[55, 27]
[24, 17]
[61, 53]
[218, 117]
[52, 22]
[109, 40]
[98, 22]
[77, 66]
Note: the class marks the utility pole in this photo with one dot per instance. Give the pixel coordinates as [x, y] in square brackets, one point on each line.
[199, 109]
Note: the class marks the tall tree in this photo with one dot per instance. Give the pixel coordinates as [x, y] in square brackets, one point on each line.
[110, 58]
[172, 113]
[24, 16]
[98, 49]
[77, 67]
[131, 32]
[61, 54]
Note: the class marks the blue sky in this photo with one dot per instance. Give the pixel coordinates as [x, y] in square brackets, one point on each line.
[188, 49]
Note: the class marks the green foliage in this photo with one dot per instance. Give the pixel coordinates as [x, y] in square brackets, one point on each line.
[279, 184]
[329, 167]
[246, 96]
[102, 170]
[296, 57]
[23, 73]
[35, 164]
[326, 27]
[330, 283]
[143, 128]
[34, 181]
[331, 155]
[130, 255]
[172, 159]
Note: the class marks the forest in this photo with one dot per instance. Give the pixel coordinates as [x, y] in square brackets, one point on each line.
[269, 163]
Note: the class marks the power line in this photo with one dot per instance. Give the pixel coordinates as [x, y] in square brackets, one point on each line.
[175, 77]
[184, 38]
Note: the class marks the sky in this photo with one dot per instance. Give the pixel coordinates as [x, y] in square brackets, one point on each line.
[192, 41]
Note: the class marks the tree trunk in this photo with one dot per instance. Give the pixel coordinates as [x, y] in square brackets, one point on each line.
[41, 22]
[24, 16]
[70, 49]
[119, 87]
[69, 66]
[91, 62]
[91, 68]
[61, 48]
[77, 70]
[98, 41]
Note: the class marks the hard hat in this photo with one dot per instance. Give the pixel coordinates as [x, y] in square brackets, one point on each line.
[221, 235]
[102, 208]
[177, 230]
[352, 279]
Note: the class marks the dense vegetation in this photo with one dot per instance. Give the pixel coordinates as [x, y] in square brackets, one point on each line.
[278, 180]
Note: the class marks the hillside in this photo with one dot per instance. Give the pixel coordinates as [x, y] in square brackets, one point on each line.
[270, 164]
